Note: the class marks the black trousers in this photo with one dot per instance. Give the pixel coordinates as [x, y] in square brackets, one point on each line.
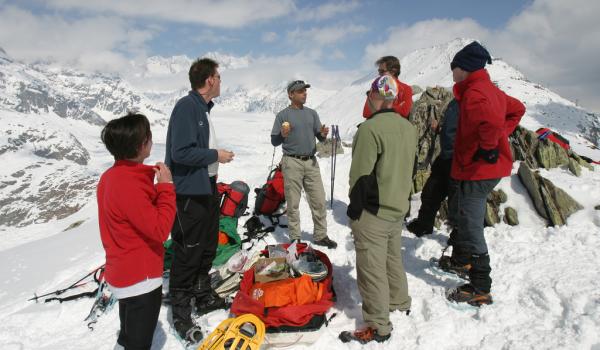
[434, 192]
[139, 315]
[195, 237]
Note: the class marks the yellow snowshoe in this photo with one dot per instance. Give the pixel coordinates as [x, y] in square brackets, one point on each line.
[245, 332]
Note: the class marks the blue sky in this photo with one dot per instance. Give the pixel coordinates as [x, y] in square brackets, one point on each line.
[553, 42]
[369, 19]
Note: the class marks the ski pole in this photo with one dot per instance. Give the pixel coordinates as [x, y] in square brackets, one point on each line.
[332, 156]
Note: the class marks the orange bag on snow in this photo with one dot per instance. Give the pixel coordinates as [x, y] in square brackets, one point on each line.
[290, 291]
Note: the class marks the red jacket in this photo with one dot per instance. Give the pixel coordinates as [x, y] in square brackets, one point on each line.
[402, 104]
[135, 218]
[487, 117]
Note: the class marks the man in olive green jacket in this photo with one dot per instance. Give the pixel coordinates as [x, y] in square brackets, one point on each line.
[383, 153]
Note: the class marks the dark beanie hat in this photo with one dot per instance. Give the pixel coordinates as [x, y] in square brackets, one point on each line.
[471, 57]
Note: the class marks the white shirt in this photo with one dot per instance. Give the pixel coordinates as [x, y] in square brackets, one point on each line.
[213, 168]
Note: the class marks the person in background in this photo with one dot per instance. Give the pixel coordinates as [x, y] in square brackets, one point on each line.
[403, 103]
[438, 185]
[295, 128]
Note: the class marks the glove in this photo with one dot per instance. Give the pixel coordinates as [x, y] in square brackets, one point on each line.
[490, 156]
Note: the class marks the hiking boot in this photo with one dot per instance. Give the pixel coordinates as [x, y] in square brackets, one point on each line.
[363, 336]
[188, 331]
[326, 242]
[210, 303]
[449, 264]
[470, 295]
[418, 229]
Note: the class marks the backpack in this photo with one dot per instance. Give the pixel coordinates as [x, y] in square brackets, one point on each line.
[271, 196]
[234, 198]
[290, 318]
[545, 133]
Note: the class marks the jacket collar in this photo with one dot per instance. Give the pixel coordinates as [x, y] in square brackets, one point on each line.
[460, 88]
[136, 167]
[385, 110]
[195, 95]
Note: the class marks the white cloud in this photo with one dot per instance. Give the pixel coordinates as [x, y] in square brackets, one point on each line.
[97, 42]
[221, 14]
[324, 36]
[551, 41]
[326, 11]
[269, 37]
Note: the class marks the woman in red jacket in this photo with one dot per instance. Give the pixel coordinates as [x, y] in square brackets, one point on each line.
[135, 218]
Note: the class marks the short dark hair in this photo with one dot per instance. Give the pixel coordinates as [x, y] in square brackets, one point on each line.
[202, 69]
[124, 136]
[392, 64]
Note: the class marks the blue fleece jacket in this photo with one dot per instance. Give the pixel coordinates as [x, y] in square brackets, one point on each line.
[187, 152]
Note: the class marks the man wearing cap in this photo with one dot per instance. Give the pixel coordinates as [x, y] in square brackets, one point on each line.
[295, 128]
[481, 158]
[383, 151]
[403, 103]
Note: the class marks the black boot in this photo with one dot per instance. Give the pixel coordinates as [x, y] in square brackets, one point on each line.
[206, 299]
[181, 308]
[479, 274]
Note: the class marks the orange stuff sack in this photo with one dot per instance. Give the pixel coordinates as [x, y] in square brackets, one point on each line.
[290, 291]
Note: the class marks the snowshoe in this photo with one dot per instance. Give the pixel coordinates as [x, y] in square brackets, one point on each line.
[243, 332]
[446, 266]
[468, 294]
[363, 336]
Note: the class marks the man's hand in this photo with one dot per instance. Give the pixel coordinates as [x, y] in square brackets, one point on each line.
[490, 156]
[324, 130]
[162, 173]
[285, 129]
[434, 125]
[225, 156]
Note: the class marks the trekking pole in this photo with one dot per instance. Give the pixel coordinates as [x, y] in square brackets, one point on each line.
[60, 291]
[273, 158]
[335, 139]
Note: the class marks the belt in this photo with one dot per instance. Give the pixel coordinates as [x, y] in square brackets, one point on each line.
[300, 157]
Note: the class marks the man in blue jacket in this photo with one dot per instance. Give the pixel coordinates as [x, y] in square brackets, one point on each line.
[192, 155]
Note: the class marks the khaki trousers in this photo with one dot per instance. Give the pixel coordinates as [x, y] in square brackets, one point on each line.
[380, 272]
[298, 174]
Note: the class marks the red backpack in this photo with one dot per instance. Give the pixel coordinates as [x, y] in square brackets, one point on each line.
[545, 133]
[271, 196]
[234, 198]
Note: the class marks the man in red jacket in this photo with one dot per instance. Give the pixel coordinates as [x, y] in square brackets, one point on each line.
[482, 157]
[135, 218]
[403, 103]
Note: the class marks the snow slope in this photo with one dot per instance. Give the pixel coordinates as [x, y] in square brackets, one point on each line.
[545, 279]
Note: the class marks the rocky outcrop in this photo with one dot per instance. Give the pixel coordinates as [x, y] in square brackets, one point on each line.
[551, 202]
[430, 106]
[324, 148]
[510, 216]
[546, 154]
[492, 214]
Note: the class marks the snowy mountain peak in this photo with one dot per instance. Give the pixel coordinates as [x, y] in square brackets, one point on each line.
[227, 61]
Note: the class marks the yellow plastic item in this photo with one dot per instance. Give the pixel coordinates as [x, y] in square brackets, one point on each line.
[245, 332]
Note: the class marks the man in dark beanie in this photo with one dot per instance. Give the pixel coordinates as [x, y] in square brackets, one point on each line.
[471, 58]
[481, 158]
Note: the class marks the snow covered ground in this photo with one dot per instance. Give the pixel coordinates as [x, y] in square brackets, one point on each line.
[546, 286]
